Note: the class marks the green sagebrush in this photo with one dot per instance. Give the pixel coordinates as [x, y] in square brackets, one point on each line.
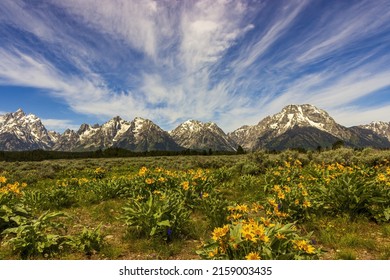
[163, 216]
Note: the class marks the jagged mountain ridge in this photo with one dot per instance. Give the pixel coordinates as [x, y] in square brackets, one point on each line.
[295, 126]
[19, 131]
[279, 131]
[197, 135]
[138, 135]
[380, 128]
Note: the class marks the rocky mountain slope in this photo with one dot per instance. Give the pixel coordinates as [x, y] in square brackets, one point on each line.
[138, 135]
[303, 126]
[296, 126]
[19, 131]
[196, 135]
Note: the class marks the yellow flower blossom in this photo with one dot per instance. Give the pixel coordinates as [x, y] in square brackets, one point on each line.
[142, 171]
[253, 256]
[213, 253]
[243, 208]
[381, 177]
[280, 236]
[3, 180]
[149, 181]
[185, 185]
[162, 179]
[304, 246]
[272, 202]
[220, 232]
[277, 188]
[306, 204]
[267, 222]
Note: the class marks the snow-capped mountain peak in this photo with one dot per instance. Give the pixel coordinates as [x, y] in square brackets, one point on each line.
[379, 127]
[294, 126]
[193, 134]
[19, 131]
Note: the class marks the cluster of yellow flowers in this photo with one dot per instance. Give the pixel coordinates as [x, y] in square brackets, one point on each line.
[304, 246]
[253, 231]
[384, 177]
[160, 177]
[14, 188]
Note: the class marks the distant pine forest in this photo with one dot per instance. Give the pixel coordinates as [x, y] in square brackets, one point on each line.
[40, 155]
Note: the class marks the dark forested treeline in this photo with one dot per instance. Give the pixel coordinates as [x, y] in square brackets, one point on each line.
[39, 155]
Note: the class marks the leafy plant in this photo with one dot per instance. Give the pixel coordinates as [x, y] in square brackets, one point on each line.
[253, 234]
[12, 214]
[37, 237]
[161, 215]
[215, 209]
[88, 241]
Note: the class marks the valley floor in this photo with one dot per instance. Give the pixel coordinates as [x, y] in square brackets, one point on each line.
[329, 205]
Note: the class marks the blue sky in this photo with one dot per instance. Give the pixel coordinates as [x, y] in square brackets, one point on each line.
[231, 62]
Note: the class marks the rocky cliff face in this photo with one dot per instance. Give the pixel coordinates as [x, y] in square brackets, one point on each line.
[315, 127]
[196, 135]
[19, 131]
[303, 126]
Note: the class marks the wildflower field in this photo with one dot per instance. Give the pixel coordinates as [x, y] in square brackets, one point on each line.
[329, 205]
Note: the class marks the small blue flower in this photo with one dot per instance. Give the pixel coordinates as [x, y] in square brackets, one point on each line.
[169, 232]
[280, 206]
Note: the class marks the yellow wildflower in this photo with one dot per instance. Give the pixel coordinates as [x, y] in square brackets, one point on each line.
[310, 249]
[280, 236]
[142, 171]
[3, 179]
[243, 208]
[267, 222]
[306, 204]
[277, 188]
[185, 185]
[272, 202]
[149, 181]
[381, 177]
[235, 216]
[253, 256]
[220, 232]
[213, 253]
[256, 207]
[162, 179]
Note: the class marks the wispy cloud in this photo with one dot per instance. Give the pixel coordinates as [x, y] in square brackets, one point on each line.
[59, 125]
[347, 116]
[232, 62]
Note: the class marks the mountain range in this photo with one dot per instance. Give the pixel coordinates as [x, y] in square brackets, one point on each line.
[296, 126]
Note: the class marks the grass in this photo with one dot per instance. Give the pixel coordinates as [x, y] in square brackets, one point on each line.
[241, 181]
[345, 239]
